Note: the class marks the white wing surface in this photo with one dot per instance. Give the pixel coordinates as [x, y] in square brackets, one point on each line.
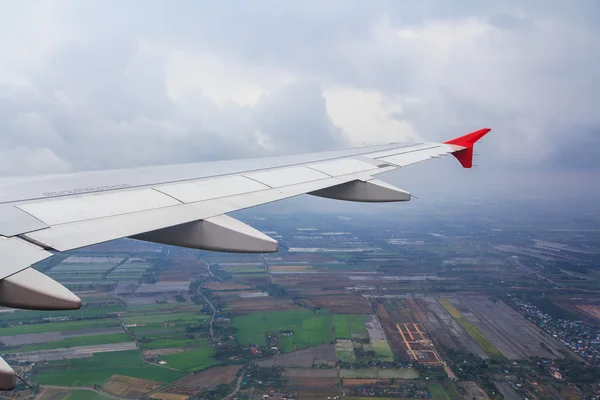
[182, 205]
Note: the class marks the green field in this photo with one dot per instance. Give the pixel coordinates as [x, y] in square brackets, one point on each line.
[346, 325]
[345, 350]
[241, 269]
[438, 392]
[191, 360]
[382, 350]
[173, 341]
[170, 317]
[153, 329]
[309, 328]
[59, 326]
[99, 368]
[379, 373]
[162, 307]
[74, 342]
[85, 312]
[86, 395]
[481, 340]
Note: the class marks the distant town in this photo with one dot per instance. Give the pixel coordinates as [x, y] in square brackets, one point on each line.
[478, 300]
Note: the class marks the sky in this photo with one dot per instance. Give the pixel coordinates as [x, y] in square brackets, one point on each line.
[111, 84]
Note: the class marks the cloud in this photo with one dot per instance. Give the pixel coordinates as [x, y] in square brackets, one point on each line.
[107, 84]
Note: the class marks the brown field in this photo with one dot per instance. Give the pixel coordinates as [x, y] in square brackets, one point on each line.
[310, 373]
[317, 393]
[299, 258]
[161, 352]
[129, 387]
[240, 306]
[289, 268]
[344, 304]
[474, 391]
[221, 286]
[313, 382]
[169, 396]
[174, 276]
[206, 379]
[593, 311]
[52, 394]
[381, 311]
[312, 282]
[92, 294]
[389, 327]
[357, 382]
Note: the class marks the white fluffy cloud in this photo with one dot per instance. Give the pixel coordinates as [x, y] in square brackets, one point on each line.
[88, 85]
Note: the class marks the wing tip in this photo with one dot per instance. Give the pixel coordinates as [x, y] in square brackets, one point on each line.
[465, 155]
[469, 139]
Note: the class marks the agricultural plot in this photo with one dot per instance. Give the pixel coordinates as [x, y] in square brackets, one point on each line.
[342, 304]
[345, 350]
[169, 342]
[481, 340]
[378, 373]
[129, 387]
[129, 271]
[311, 377]
[191, 360]
[348, 326]
[163, 287]
[87, 340]
[73, 352]
[59, 326]
[98, 369]
[438, 392]
[240, 306]
[382, 350]
[85, 395]
[305, 358]
[164, 318]
[307, 328]
[207, 379]
[169, 396]
[257, 268]
[514, 336]
[288, 269]
[87, 311]
[225, 286]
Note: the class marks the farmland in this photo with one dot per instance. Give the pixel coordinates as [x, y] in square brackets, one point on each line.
[481, 340]
[374, 373]
[206, 379]
[309, 328]
[191, 360]
[86, 340]
[400, 304]
[100, 367]
[347, 326]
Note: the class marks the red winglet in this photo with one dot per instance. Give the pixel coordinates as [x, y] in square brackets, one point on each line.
[465, 156]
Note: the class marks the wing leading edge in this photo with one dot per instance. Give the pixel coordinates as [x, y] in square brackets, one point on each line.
[183, 205]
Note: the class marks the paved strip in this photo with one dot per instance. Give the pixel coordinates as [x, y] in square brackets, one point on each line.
[45, 337]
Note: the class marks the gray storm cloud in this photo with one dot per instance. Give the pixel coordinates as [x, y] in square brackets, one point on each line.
[107, 84]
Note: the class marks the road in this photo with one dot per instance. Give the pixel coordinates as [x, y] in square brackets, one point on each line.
[266, 266]
[238, 385]
[209, 271]
[214, 312]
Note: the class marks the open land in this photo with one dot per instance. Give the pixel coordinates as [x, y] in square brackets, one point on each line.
[417, 308]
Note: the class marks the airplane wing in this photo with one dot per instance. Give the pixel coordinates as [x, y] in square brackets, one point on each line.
[183, 205]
